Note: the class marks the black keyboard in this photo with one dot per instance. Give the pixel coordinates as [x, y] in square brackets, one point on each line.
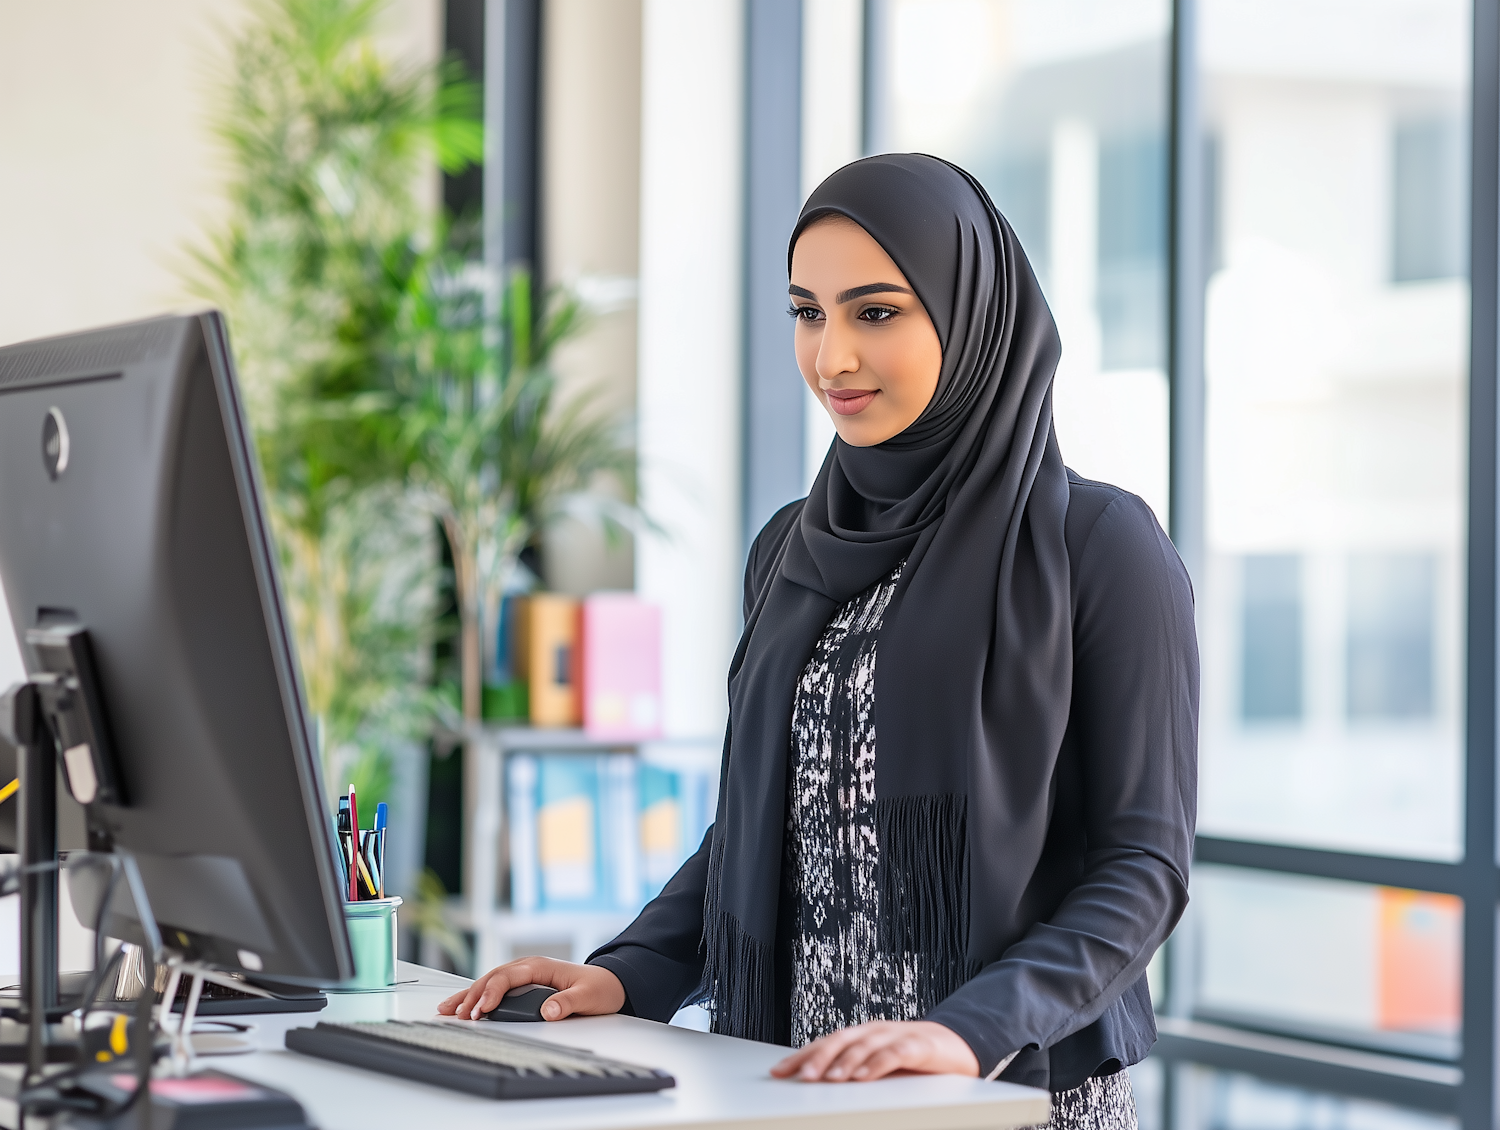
[482, 1061]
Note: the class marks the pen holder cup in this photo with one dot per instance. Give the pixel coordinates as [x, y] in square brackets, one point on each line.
[372, 936]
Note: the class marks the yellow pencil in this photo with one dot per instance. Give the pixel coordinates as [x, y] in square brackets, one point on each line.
[365, 871]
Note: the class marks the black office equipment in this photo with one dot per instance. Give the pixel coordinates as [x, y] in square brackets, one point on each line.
[209, 1100]
[148, 534]
[138, 566]
[521, 1005]
[258, 996]
[482, 1061]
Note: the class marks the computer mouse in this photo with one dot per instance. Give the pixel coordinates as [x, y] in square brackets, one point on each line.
[522, 1005]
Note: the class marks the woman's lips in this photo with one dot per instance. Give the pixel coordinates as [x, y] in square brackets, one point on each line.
[848, 401]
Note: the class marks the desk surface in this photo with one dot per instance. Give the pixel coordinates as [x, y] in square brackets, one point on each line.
[721, 1081]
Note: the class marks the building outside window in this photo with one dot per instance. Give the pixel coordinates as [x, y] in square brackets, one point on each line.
[1271, 638]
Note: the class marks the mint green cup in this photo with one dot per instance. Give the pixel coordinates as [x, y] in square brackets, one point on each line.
[372, 936]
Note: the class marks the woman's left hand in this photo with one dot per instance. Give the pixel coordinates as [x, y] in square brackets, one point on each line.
[873, 1050]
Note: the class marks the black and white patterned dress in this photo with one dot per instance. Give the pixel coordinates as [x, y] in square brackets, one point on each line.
[840, 974]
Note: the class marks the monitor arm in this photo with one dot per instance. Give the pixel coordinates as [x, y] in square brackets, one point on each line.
[23, 725]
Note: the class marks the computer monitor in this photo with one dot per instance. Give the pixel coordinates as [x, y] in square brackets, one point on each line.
[130, 507]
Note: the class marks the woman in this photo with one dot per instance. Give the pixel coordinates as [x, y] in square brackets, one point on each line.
[983, 895]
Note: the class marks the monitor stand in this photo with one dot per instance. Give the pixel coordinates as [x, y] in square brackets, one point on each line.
[214, 1098]
[22, 724]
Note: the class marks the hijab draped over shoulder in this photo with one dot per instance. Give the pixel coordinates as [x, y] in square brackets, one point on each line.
[974, 677]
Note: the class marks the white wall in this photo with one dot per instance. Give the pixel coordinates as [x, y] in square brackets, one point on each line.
[688, 378]
[590, 216]
[109, 168]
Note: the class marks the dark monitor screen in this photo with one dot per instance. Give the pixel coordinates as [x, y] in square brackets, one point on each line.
[129, 506]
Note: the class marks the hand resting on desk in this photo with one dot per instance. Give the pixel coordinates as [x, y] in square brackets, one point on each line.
[877, 1048]
[583, 990]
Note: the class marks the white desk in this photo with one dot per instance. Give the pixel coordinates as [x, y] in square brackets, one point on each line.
[721, 1082]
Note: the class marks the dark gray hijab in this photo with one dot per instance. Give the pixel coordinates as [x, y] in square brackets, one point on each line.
[974, 677]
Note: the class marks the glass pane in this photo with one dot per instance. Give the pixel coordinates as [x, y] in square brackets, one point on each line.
[1377, 966]
[1146, 1083]
[1059, 107]
[1337, 344]
[1220, 1100]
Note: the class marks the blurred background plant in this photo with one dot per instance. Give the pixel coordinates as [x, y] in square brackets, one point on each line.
[490, 451]
[326, 139]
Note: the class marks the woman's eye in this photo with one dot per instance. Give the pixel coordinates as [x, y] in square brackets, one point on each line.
[879, 314]
[805, 313]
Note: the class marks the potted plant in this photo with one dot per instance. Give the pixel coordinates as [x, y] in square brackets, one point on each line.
[491, 448]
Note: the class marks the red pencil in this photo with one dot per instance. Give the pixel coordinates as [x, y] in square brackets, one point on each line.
[354, 840]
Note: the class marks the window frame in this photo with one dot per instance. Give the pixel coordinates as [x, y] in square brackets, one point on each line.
[1466, 1088]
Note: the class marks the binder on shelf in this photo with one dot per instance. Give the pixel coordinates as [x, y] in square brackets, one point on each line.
[621, 669]
[546, 642]
[620, 826]
[568, 833]
[662, 831]
[520, 788]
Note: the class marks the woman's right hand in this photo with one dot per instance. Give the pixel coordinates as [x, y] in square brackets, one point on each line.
[583, 990]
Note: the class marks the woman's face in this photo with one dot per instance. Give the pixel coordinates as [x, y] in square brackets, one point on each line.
[865, 345]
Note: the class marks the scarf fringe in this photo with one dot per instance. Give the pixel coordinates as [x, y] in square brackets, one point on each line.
[923, 885]
[737, 969]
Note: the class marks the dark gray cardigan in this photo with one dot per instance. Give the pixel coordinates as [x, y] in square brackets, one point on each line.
[1112, 879]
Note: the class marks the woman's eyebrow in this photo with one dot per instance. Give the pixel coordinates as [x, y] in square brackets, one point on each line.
[869, 288]
[854, 292]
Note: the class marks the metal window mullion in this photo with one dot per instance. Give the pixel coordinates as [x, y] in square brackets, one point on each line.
[1185, 393]
[1308, 1065]
[1477, 1100]
[1352, 867]
[773, 396]
[1185, 282]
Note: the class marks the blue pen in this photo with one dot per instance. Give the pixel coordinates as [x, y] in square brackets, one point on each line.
[381, 812]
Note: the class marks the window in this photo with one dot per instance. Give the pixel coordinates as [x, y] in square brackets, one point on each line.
[1222, 1100]
[1271, 664]
[1335, 432]
[1352, 962]
[1132, 268]
[1391, 607]
[1431, 199]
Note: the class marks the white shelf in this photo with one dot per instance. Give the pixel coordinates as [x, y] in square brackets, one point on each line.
[527, 739]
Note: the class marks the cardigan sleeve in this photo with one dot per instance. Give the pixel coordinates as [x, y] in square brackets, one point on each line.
[657, 957]
[1133, 727]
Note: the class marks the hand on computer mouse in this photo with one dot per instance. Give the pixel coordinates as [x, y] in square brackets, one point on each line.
[583, 990]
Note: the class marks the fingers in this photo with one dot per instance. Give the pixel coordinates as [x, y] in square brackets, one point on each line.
[485, 993]
[857, 1054]
[880, 1061]
[812, 1061]
[861, 1053]
[586, 990]
[569, 1002]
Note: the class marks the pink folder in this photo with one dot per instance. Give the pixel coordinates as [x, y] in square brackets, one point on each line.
[621, 667]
